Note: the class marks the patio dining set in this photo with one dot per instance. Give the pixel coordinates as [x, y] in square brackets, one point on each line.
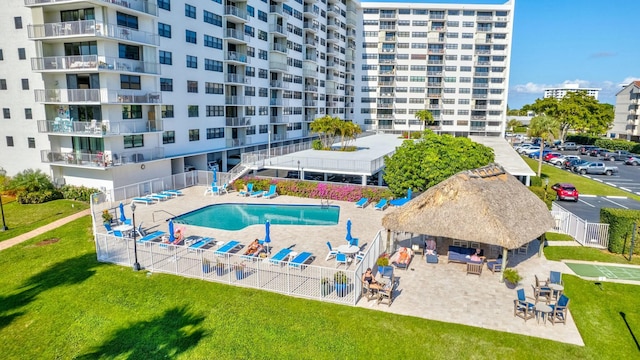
[549, 303]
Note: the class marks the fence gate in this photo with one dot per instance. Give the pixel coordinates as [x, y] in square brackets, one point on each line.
[584, 232]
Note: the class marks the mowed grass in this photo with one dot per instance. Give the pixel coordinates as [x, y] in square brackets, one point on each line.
[58, 301]
[21, 218]
[554, 236]
[584, 185]
[558, 253]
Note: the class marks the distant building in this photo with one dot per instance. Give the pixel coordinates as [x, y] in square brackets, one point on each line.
[560, 92]
[625, 122]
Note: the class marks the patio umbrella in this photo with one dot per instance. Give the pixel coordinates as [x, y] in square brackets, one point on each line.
[215, 176]
[409, 194]
[349, 237]
[122, 217]
[172, 236]
[267, 238]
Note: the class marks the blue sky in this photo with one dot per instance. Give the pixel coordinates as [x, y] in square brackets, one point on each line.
[591, 42]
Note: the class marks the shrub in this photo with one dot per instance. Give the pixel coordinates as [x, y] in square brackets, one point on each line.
[316, 144]
[620, 228]
[582, 139]
[38, 197]
[615, 144]
[80, 193]
[540, 193]
[536, 181]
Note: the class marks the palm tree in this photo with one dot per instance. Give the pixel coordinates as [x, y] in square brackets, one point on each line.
[425, 116]
[546, 128]
[512, 124]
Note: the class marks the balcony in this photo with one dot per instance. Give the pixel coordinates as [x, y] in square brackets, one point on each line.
[279, 137]
[278, 29]
[387, 50]
[102, 160]
[310, 42]
[278, 66]
[238, 121]
[143, 6]
[238, 57]
[235, 12]
[308, 25]
[309, 118]
[309, 73]
[281, 48]
[310, 88]
[384, 105]
[98, 128]
[83, 63]
[278, 9]
[311, 11]
[483, 52]
[435, 51]
[311, 57]
[90, 28]
[133, 97]
[278, 84]
[435, 62]
[311, 103]
[278, 102]
[387, 95]
[238, 142]
[66, 96]
[279, 119]
[237, 100]
[478, 96]
[236, 79]
[233, 34]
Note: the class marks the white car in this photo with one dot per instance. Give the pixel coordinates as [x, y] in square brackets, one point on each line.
[560, 160]
[529, 150]
[519, 148]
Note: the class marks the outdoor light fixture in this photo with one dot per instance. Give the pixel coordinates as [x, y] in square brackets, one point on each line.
[136, 265]
[4, 225]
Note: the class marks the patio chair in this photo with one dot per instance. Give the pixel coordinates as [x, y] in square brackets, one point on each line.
[229, 247]
[159, 197]
[396, 257]
[301, 259]
[118, 233]
[359, 256]
[559, 310]
[523, 308]
[150, 237]
[385, 295]
[109, 229]
[475, 268]
[271, 193]
[140, 231]
[362, 203]
[541, 293]
[176, 192]
[494, 265]
[332, 253]
[168, 193]
[246, 192]
[381, 205]
[257, 193]
[369, 293]
[280, 257]
[555, 277]
[342, 259]
[354, 242]
[143, 200]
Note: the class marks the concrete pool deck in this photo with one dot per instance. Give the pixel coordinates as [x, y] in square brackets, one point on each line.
[442, 292]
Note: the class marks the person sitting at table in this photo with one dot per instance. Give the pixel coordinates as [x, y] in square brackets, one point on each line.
[404, 257]
[368, 278]
[477, 256]
[430, 246]
[254, 248]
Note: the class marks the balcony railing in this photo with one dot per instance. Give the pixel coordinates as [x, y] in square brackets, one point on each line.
[311, 88]
[274, 28]
[104, 127]
[237, 100]
[279, 119]
[237, 78]
[280, 48]
[90, 28]
[238, 121]
[68, 95]
[279, 84]
[134, 97]
[93, 62]
[238, 142]
[278, 65]
[311, 10]
[237, 56]
[100, 159]
[144, 6]
[235, 11]
[235, 34]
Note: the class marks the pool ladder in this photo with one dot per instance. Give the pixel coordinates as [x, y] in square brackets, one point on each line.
[324, 203]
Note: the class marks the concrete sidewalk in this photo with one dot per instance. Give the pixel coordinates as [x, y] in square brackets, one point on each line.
[33, 233]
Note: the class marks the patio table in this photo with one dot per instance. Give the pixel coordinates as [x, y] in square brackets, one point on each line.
[542, 310]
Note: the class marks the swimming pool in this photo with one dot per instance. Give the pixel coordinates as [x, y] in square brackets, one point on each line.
[238, 216]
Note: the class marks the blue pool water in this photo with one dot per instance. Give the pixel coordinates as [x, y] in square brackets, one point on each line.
[238, 216]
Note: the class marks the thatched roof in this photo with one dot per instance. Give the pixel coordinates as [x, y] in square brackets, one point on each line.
[486, 205]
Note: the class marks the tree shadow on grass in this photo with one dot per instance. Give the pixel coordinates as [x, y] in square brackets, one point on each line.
[67, 272]
[164, 337]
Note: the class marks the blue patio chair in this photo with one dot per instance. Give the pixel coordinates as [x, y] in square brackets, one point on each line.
[280, 257]
[362, 203]
[559, 310]
[301, 259]
[332, 253]
[118, 233]
[271, 193]
[555, 277]
[381, 205]
[109, 229]
[353, 242]
[342, 259]
[522, 308]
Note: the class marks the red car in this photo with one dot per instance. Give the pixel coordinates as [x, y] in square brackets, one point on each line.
[565, 191]
[550, 156]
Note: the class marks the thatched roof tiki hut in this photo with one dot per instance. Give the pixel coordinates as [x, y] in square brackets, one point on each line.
[485, 205]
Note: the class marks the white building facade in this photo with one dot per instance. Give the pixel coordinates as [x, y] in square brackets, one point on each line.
[560, 92]
[106, 93]
[450, 59]
[626, 121]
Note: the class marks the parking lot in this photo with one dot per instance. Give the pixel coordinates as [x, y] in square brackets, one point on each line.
[588, 207]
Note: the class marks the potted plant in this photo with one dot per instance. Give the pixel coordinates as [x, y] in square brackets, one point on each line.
[325, 286]
[104, 129]
[206, 266]
[382, 261]
[238, 268]
[511, 277]
[106, 216]
[340, 279]
[219, 267]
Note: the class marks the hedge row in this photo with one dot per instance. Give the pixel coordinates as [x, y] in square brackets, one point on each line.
[618, 145]
[621, 229]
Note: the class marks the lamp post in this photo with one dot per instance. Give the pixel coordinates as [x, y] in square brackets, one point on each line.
[136, 265]
[546, 185]
[269, 149]
[4, 225]
[299, 173]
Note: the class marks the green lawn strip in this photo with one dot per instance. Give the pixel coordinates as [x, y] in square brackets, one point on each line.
[584, 185]
[553, 236]
[559, 253]
[59, 302]
[22, 218]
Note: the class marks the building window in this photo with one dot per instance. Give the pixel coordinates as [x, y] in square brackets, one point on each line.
[3, 84]
[130, 82]
[169, 137]
[262, 54]
[192, 62]
[192, 86]
[213, 110]
[9, 141]
[17, 22]
[166, 84]
[22, 55]
[189, 11]
[25, 84]
[263, 129]
[262, 35]
[164, 4]
[28, 114]
[166, 111]
[212, 18]
[192, 110]
[215, 133]
[132, 112]
[191, 37]
[133, 141]
[194, 134]
[164, 30]
[213, 88]
[6, 113]
[127, 20]
[1, 55]
[32, 142]
[165, 57]
[212, 42]
[213, 65]
[131, 52]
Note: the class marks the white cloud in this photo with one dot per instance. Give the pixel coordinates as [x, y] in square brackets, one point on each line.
[608, 87]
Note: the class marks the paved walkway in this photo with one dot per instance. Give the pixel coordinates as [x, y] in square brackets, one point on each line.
[41, 230]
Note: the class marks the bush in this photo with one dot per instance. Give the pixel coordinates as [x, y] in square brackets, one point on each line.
[38, 197]
[582, 139]
[536, 181]
[615, 144]
[540, 193]
[316, 144]
[80, 193]
[621, 228]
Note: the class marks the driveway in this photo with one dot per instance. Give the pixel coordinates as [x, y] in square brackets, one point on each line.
[588, 207]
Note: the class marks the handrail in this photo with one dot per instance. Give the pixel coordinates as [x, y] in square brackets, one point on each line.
[153, 215]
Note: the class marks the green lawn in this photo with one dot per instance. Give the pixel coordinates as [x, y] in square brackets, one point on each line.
[553, 236]
[21, 218]
[558, 253]
[584, 185]
[59, 302]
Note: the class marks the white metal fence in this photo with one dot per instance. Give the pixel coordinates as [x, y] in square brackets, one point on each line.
[234, 269]
[585, 233]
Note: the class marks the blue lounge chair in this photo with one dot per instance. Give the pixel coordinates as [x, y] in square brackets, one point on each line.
[176, 192]
[362, 203]
[200, 244]
[381, 205]
[229, 247]
[151, 237]
[332, 253]
[300, 260]
[143, 200]
[280, 257]
[401, 201]
[168, 193]
[118, 233]
[246, 192]
[159, 197]
[256, 193]
[271, 193]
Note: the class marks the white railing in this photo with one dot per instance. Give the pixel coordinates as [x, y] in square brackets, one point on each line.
[584, 232]
[234, 269]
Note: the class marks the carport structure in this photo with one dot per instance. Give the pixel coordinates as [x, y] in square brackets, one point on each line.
[485, 205]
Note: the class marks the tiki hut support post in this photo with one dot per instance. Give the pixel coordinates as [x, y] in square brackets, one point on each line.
[542, 239]
[505, 252]
[388, 247]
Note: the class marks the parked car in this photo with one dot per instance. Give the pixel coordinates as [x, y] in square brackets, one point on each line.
[595, 168]
[529, 150]
[536, 154]
[562, 159]
[213, 165]
[575, 162]
[565, 191]
[551, 155]
[232, 161]
[585, 149]
[521, 147]
[618, 155]
[633, 160]
[568, 146]
[188, 167]
[597, 152]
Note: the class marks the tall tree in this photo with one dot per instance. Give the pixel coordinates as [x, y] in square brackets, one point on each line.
[348, 131]
[546, 128]
[326, 127]
[513, 123]
[425, 117]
